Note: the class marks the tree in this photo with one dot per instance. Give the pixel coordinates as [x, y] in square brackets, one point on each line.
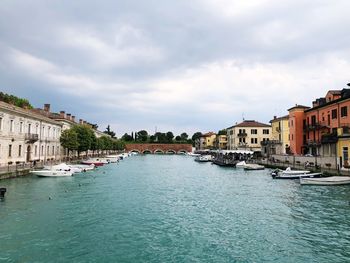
[184, 136]
[222, 132]
[178, 138]
[85, 137]
[195, 137]
[69, 140]
[109, 132]
[142, 136]
[169, 136]
[127, 138]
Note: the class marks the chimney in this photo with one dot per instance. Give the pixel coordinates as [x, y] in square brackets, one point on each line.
[68, 116]
[47, 107]
[275, 117]
[73, 118]
[81, 121]
[62, 114]
[85, 122]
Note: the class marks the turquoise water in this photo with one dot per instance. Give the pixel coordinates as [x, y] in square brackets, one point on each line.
[156, 208]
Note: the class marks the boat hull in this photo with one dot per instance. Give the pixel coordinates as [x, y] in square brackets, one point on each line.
[46, 173]
[333, 180]
[297, 176]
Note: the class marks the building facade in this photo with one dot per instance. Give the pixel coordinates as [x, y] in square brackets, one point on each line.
[220, 142]
[248, 135]
[279, 143]
[207, 141]
[27, 137]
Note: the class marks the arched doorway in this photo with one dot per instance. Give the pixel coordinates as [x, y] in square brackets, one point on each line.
[28, 154]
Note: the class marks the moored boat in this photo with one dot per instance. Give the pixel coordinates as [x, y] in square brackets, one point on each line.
[96, 162]
[288, 172]
[63, 167]
[241, 164]
[193, 154]
[332, 180]
[253, 166]
[203, 158]
[51, 173]
[83, 167]
[296, 176]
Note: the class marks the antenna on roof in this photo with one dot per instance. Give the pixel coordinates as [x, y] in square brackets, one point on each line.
[243, 116]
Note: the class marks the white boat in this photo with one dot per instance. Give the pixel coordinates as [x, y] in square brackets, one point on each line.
[51, 173]
[111, 158]
[296, 176]
[289, 171]
[203, 158]
[241, 164]
[333, 180]
[253, 166]
[83, 167]
[95, 161]
[193, 154]
[63, 167]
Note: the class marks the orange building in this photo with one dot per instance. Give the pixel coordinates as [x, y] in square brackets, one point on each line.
[314, 130]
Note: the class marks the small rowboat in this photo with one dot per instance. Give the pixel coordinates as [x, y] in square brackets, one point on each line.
[333, 180]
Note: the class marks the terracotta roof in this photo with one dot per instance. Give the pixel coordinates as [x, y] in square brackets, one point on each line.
[280, 118]
[336, 92]
[251, 123]
[208, 134]
[299, 106]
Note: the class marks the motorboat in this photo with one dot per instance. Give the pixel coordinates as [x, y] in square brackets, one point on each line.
[51, 173]
[203, 158]
[83, 167]
[289, 172]
[332, 180]
[111, 158]
[63, 167]
[296, 176]
[193, 154]
[253, 166]
[95, 161]
[241, 164]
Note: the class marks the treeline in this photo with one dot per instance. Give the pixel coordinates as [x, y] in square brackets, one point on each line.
[159, 137]
[19, 102]
[81, 138]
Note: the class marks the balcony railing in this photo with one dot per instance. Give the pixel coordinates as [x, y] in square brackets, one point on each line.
[242, 134]
[30, 137]
[315, 126]
[329, 138]
[312, 143]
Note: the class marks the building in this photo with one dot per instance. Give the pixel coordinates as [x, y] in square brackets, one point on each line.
[26, 136]
[323, 129]
[248, 135]
[220, 142]
[279, 143]
[207, 141]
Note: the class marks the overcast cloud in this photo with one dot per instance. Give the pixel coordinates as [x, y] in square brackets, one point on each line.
[182, 65]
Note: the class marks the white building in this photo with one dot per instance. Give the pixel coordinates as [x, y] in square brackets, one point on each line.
[248, 135]
[26, 136]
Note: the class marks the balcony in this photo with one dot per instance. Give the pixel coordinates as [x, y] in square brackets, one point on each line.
[314, 126]
[329, 138]
[270, 142]
[31, 138]
[242, 134]
[312, 143]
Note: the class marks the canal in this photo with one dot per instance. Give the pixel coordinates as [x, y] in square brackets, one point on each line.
[168, 208]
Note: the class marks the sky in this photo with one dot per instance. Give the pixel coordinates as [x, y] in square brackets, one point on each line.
[180, 66]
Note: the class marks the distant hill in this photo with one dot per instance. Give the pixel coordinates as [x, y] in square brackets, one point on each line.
[19, 102]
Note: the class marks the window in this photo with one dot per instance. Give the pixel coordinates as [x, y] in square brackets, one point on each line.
[313, 119]
[334, 114]
[344, 111]
[254, 140]
[21, 127]
[0, 124]
[253, 131]
[29, 128]
[48, 150]
[266, 131]
[42, 149]
[10, 150]
[37, 128]
[53, 150]
[11, 125]
[19, 150]
[36, 150]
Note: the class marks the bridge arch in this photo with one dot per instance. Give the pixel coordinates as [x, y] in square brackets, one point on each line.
[182, 152]
[135, 151]
[170, 151]
[147, 151]
[158, 151]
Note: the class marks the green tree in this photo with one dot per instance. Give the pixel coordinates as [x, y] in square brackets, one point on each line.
[85, 137]
[184, 136]
[142, 136]
[109, 131]
[169, 137]
[69, 140]
[127, 138]
[195, 137]
[178, 138]
[222, 132]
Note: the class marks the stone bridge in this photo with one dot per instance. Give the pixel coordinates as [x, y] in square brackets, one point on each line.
[158, 148]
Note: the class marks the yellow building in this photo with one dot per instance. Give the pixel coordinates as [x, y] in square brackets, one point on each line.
[279, 143]
[343, 146]
[221, 142]
[207, 141]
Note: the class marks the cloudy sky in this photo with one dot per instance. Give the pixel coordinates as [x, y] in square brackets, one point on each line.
[198, 65]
